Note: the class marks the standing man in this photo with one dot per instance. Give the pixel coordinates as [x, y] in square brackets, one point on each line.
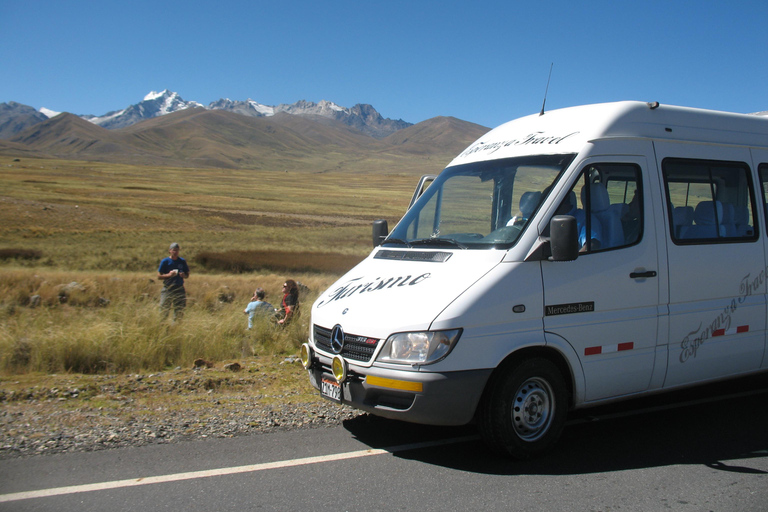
[172, 271]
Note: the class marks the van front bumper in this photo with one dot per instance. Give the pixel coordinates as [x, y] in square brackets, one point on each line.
[430, 398]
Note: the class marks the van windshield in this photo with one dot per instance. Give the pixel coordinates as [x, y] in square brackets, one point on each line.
[480, 205]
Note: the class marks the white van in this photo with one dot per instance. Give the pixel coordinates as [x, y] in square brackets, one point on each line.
[563, 260]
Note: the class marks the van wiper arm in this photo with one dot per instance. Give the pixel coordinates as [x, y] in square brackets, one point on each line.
[439, 241]
[396, 241]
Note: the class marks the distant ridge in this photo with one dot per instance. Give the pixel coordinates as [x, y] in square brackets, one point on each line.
[15, 117]
[154, 104]
[443, 133]
[361, 117]
[198, 137]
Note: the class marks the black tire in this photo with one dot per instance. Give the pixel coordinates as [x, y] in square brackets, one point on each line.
[524, 409]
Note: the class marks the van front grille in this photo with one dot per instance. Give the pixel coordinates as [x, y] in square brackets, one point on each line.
[356, 348]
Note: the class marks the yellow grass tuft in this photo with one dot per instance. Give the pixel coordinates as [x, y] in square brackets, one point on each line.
[80, 243]
[113, 324]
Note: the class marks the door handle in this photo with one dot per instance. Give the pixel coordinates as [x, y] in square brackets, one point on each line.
[642, 275]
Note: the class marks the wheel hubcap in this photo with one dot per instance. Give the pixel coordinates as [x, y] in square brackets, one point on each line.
[532, 410]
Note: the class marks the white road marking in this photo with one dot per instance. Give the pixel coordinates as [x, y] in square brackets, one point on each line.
[160, 479]
[101, 486]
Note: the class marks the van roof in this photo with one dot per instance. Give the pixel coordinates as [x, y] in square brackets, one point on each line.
[567, 130]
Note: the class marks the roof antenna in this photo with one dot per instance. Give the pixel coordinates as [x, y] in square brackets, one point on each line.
[546, 90]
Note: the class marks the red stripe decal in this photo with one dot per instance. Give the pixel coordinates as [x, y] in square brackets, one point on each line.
[626, 346]
[591, 351]
[742, 328]
[719, 332]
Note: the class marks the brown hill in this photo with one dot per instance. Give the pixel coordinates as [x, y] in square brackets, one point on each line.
[19, 150]
[282, 131]
[67, 134]
[215, 138]
[219, 139]
[444, 134]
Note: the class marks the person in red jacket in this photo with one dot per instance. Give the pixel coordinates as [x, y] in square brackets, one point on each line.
[290, 303]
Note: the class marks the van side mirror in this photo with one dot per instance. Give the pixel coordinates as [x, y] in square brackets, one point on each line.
[380, 231]
[563, 238]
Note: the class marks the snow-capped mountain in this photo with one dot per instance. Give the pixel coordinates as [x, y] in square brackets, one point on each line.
[15, 117]
[361, 117]
[246, 108]
[154, 104]
[48, 112]
[304, 108]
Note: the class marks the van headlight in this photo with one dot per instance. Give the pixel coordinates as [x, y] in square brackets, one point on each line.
[425, 347]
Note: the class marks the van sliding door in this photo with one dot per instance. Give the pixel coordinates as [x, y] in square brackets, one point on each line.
[717, 308]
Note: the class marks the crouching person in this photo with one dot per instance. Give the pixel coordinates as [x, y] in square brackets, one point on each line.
[258, 306]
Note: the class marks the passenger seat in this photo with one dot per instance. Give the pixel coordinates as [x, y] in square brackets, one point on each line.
[706, 218]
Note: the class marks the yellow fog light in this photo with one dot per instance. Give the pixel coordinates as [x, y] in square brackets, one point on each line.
[339, 369]
[306, 356]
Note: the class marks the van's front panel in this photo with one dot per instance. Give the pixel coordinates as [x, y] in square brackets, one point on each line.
[437, 398]
[439, 276]
[397, 290]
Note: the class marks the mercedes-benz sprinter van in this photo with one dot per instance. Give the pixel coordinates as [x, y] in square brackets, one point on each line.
[563, 260]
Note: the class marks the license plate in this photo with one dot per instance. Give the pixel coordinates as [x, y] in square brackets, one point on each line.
[330, 389]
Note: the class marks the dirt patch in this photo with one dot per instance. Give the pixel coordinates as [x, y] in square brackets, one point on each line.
[66, 413]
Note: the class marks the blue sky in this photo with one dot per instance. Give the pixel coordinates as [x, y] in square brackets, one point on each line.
[484, 62]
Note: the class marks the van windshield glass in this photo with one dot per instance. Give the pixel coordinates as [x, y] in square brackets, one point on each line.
[480, 205]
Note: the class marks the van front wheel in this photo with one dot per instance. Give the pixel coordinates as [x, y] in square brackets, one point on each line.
[524, 411]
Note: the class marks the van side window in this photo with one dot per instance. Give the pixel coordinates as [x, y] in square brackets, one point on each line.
[709, 201]
[612, 193]
[763, 170]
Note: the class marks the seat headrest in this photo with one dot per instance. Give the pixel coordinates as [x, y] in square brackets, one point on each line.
[528, 203]
[682, 215]
[600, 199]
[729, 214]
[704, 215]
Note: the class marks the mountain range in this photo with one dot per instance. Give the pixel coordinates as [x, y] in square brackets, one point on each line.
[163, 129]
[155, 104]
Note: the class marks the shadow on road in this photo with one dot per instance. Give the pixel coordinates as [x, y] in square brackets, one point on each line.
[709, 426]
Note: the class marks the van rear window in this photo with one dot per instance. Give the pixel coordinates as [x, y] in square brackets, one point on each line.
[709, 201]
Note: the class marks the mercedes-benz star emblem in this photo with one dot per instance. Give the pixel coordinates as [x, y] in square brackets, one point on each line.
[337, 339]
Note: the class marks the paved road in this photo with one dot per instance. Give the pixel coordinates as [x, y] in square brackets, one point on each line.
[702, 450]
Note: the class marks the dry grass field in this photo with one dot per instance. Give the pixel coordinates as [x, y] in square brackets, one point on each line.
[80, 243]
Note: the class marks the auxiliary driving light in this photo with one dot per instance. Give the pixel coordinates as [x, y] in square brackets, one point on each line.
[339, 369]
[305, 354]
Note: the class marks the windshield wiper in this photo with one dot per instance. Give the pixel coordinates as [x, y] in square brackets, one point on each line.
[396, 241]
[438, 241]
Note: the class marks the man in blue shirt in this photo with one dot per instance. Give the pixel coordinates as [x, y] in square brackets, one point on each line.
[258, 306]
[172, 271]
